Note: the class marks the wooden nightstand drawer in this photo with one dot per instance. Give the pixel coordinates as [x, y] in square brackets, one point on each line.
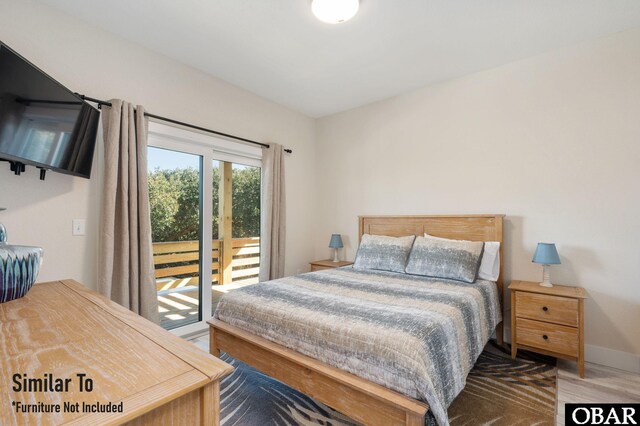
[550, 337]
[319, 268]
[548, 319]
[319, 265]
[543, 307]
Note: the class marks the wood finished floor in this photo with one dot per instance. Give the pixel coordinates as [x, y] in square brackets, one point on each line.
[601, 384]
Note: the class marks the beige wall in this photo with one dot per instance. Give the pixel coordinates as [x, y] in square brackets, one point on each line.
[553, 142]
[101, 65]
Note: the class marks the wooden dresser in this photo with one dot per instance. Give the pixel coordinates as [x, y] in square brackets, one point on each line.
[61, 330]
[548, 320]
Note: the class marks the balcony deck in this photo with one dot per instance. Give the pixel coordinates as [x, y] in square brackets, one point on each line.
[177, 280]
[180, 307]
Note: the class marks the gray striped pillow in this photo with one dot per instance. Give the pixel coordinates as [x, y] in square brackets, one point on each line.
[441, 258]
[383, 253]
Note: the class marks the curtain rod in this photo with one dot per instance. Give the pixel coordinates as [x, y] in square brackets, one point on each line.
[181, 123]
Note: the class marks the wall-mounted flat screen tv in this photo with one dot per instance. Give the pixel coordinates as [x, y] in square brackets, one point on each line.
[42, 123]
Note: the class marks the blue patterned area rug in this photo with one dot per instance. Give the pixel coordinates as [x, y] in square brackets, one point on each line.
[499, 391]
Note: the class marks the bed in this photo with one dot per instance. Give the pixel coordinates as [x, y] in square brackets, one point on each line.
[417, 336]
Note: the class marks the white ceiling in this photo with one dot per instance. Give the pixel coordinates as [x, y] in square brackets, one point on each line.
[277, 49]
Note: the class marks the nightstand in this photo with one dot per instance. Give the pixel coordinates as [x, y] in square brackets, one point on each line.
[319, 265]
[548, 320]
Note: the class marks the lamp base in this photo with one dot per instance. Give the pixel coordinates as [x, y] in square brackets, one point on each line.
[546, 277]
[335, 255]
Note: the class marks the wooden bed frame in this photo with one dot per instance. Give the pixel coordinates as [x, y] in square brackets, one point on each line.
[360, 399]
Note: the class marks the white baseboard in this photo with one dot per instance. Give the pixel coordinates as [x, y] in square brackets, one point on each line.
[612, 358]
[604, 356]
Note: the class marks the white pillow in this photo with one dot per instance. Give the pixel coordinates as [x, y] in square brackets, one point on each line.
[490, 263]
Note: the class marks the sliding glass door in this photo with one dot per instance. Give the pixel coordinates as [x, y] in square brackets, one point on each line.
[205, 216]
[175, 185]
[236, 227]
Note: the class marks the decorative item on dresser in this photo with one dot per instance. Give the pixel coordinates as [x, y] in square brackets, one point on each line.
[547, 320]
[335, 244]
[546, 254]
[19, 267]
[61, 329]
[3, 231]
[319, 265]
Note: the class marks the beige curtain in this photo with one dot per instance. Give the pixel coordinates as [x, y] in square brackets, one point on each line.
[272, 223]
[126, 256]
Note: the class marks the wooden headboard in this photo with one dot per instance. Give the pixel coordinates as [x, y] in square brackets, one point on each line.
[474, 227]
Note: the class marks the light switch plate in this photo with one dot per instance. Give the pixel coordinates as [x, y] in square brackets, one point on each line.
[79, 227]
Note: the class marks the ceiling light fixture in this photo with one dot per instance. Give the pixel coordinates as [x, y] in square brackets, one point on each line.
[335, 11]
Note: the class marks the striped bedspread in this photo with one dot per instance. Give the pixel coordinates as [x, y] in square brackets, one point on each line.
[415, 335]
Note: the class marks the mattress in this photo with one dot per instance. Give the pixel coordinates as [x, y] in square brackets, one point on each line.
[416, 335]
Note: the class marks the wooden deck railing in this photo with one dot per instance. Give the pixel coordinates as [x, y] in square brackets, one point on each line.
[177, 263]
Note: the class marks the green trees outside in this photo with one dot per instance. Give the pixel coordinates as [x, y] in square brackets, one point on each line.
[174, 200]
[246, 202]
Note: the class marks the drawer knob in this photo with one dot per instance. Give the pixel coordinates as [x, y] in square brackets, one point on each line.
[544, 308]
[545, 337]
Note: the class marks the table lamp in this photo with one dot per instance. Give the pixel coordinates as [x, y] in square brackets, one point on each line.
[546, 254]
[335, 244]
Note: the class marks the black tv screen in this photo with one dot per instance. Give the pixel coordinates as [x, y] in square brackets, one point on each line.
[41, 122]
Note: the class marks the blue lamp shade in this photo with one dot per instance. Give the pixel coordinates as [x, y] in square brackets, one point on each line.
[336, 241]
[546, 254]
